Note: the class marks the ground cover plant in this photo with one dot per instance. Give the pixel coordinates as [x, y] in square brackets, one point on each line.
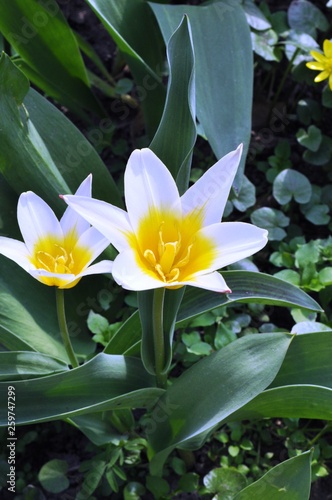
[150, 349]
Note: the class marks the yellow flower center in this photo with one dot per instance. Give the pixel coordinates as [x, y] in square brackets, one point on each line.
[170, 248]
[61, 258]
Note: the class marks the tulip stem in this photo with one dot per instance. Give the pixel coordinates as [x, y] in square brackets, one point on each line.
[158, 335]
[60, 308]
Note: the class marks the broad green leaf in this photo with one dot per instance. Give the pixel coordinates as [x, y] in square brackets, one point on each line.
[24, 159]
[224, 69]
[225, 482]
[178, 124]
[28, 321]
[50, 55]
[291, 184]
[97, 427]
[104, 383]
[246, 287]
[255, 16]
[127, 336]
[264, 44]
[74, 155]
[133, 29]
[298, 392]
[290, 480]
[214, 388]
[24, 365]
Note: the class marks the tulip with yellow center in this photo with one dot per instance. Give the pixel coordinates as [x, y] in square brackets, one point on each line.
[322, 63]
[57, 253]
[169, 241]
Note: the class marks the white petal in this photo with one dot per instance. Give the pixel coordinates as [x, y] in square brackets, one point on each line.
[36, 219]
[16, 251]
[111, 221]
[128, 274]
[94, 241]
[210, 193]
[210, 281]
[102, 267]
[148, 184]
[235, 241]
[70, 219]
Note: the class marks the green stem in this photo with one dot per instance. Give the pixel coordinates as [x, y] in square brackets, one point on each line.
[282, 82]
[60, 308]
[158, 335]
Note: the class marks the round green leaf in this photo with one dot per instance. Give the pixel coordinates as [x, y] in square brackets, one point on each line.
[271, 219]
[52, 476]
[305, 17]
[289, 275]
[311, 138]
[225, 482]
[291, 184]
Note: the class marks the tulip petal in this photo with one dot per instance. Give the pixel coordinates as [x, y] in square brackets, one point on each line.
[148, 184]
[128, 274]
[111, 221]
[234, 241]
[16, 251]
[102, 267]
[210, 193]
[94, 241]
[36, 219]
[71, 222]
[210, 281]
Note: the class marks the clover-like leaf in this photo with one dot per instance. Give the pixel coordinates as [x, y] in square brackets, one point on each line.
[291, 184]
[271, 219]
[310, 138]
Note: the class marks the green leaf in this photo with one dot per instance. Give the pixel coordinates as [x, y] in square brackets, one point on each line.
[132, 27]
[322, 155]
[126, 337]
[246, 287]
[289, 275]
[52, 476]
[271, 219]
[105, 383]
[246, 197]
[289, 480]
[24, 157]
[226, 482]
[214, 388]
[50, 55]
[255, 16]
[264, 44]
[295, 392]
[318, 214]
[24, 365]
[305, 17]
[73, 154]
[178, 125]
[291, 184]
[224, 69]
[311, 138]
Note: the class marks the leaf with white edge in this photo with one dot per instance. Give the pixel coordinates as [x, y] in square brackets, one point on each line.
[290, 480]
[291, 184]
[106, 382]
[271, 219]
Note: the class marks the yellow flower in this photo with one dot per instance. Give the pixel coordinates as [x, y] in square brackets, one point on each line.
[57, 253]
[323, 63]
[165, 240]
